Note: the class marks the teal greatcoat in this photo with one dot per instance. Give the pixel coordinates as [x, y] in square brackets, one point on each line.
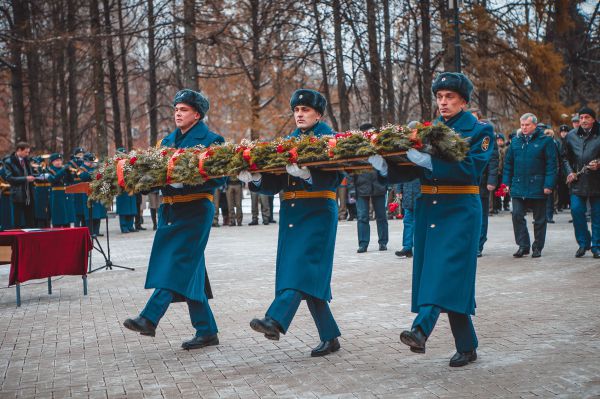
[60, 202]
[447, 226]
[126, 205]
[98, 210]
[41, 196]
[6, 207]
[307, 228]
[177, 258]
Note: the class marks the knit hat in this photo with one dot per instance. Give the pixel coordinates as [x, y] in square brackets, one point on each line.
[194, 99]
[453, 81]
[587, 111]
[309, 98]
[55, 156]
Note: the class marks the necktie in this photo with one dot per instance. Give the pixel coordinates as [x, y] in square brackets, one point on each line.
[23, 163]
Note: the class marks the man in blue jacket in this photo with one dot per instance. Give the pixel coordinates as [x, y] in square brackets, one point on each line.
[447, 223]
[530, 168]
[177, 270]
[308, 221]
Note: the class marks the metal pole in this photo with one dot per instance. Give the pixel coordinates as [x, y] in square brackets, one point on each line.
[457, 50]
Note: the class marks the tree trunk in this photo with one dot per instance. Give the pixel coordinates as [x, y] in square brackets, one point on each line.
[152, 95]
[373, 76]
[256, 71]
[339, 67]
[482, 45]
[16, 76]
[112, 76]
[389, 77]
[125, 73]
[426, 59]
[189, 45]
[319, 35]
[98, 81]
[447, 36]
[175, 50]
[33, 75]
[70, 134]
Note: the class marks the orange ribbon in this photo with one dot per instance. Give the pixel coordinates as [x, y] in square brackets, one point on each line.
[293, 155]
[331, 143]
[171, 165]
[121, 172]
[248, 158]
[201, 158]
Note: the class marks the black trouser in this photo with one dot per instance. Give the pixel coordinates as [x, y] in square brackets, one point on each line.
[139, 219]
[538, 206]
[24, 215]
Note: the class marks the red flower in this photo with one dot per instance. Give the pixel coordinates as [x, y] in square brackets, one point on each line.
[280, 149]
[98, 176]
[393, 206]
[399, 216]
[427, 123]
[502, 191]
[164, 152]
[343, 135]
[313, 140]
[132, 161]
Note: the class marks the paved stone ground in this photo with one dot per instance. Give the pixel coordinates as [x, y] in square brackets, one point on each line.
[538, 325]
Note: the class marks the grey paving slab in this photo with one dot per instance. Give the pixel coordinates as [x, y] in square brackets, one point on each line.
[537, 320]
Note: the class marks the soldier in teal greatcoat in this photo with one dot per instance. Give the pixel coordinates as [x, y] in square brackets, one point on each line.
[447, 223]
[78, 199]
[177, 269]
[87, 173]
[6, 209]
[41, 193]
[307, 231]
[126, 208]
[59, 177]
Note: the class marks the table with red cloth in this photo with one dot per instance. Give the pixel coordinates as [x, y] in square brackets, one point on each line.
[45, 253]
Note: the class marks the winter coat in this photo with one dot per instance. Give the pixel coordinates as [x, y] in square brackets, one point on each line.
[21, 191]
[579, 149]
[410, 192]
[368, 185]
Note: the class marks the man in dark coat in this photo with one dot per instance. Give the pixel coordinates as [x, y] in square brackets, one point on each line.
[177, 269]
[530, 170]
[308, 221]
[19, 175]
[582, 167]
[447, 223]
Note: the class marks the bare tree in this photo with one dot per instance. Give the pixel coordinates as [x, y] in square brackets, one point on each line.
[153, 92]
[190, 52]
[374, 73]
[339, 67]
[112, 76]
[98, 80]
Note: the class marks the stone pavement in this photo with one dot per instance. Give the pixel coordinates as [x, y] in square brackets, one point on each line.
[538, 324]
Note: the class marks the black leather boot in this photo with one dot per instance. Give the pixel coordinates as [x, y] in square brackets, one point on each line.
[326, 347]
[415, 339]
[463, 358]
[142, 325]
[201, 342]
[267, 326]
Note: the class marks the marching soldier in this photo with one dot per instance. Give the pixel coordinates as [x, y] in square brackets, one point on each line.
[444, 267]
[127, 208]
[177, 269]
[307, 230]
[86, 174]
[41, 193]
[59, 177]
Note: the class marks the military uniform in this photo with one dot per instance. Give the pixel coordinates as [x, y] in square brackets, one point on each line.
[41, 196]
[6, 210]
[307, 230]
[126, 209]
[61, 208]
[86, 174]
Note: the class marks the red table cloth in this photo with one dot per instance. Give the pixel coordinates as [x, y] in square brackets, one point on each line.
[47, 253]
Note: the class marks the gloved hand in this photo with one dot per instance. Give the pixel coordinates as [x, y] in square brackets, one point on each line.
[176, 185]
[420, 158]
[248, 177]
[296, 171]
[42, 176]
[379, 164]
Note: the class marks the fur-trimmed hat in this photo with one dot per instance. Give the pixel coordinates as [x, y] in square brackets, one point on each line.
[55, 156]
[309, 98]
[587, 111]
[453, 81]
[89, 157]
[122, 150]
[194, 99]
[78, 150]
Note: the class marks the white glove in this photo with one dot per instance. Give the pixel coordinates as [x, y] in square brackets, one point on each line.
[379, 164]
[248, 177]
[43, 176]
[419, 158]
[296, 171]
[176, 185]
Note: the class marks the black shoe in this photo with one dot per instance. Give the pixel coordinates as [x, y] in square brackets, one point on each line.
[520, 252]
[253, 223]
[360, 250]
[597, 255]
[140, 228]
[326, 347]
[99, 235]
[382, 247]
[154, 227]
[506, 208]
[580, 252]
[232, 224]
[550, 221]
[463, 358]
[479, 254]
[216, 225]
[536, 253]
[134, 231]
[265, 222]
[405, 253]
[351, 219]
[200, 342]
[267, 326]
[415, 339]
[273, 221]
[142, 325]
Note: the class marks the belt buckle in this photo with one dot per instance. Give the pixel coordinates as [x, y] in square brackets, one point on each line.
[292, 194]
[168, 200]
[434, 189]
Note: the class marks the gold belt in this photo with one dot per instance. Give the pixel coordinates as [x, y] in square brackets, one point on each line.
[59, 188]
[288, 195]
[42, 184]
[173, 199]
[449, 189]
